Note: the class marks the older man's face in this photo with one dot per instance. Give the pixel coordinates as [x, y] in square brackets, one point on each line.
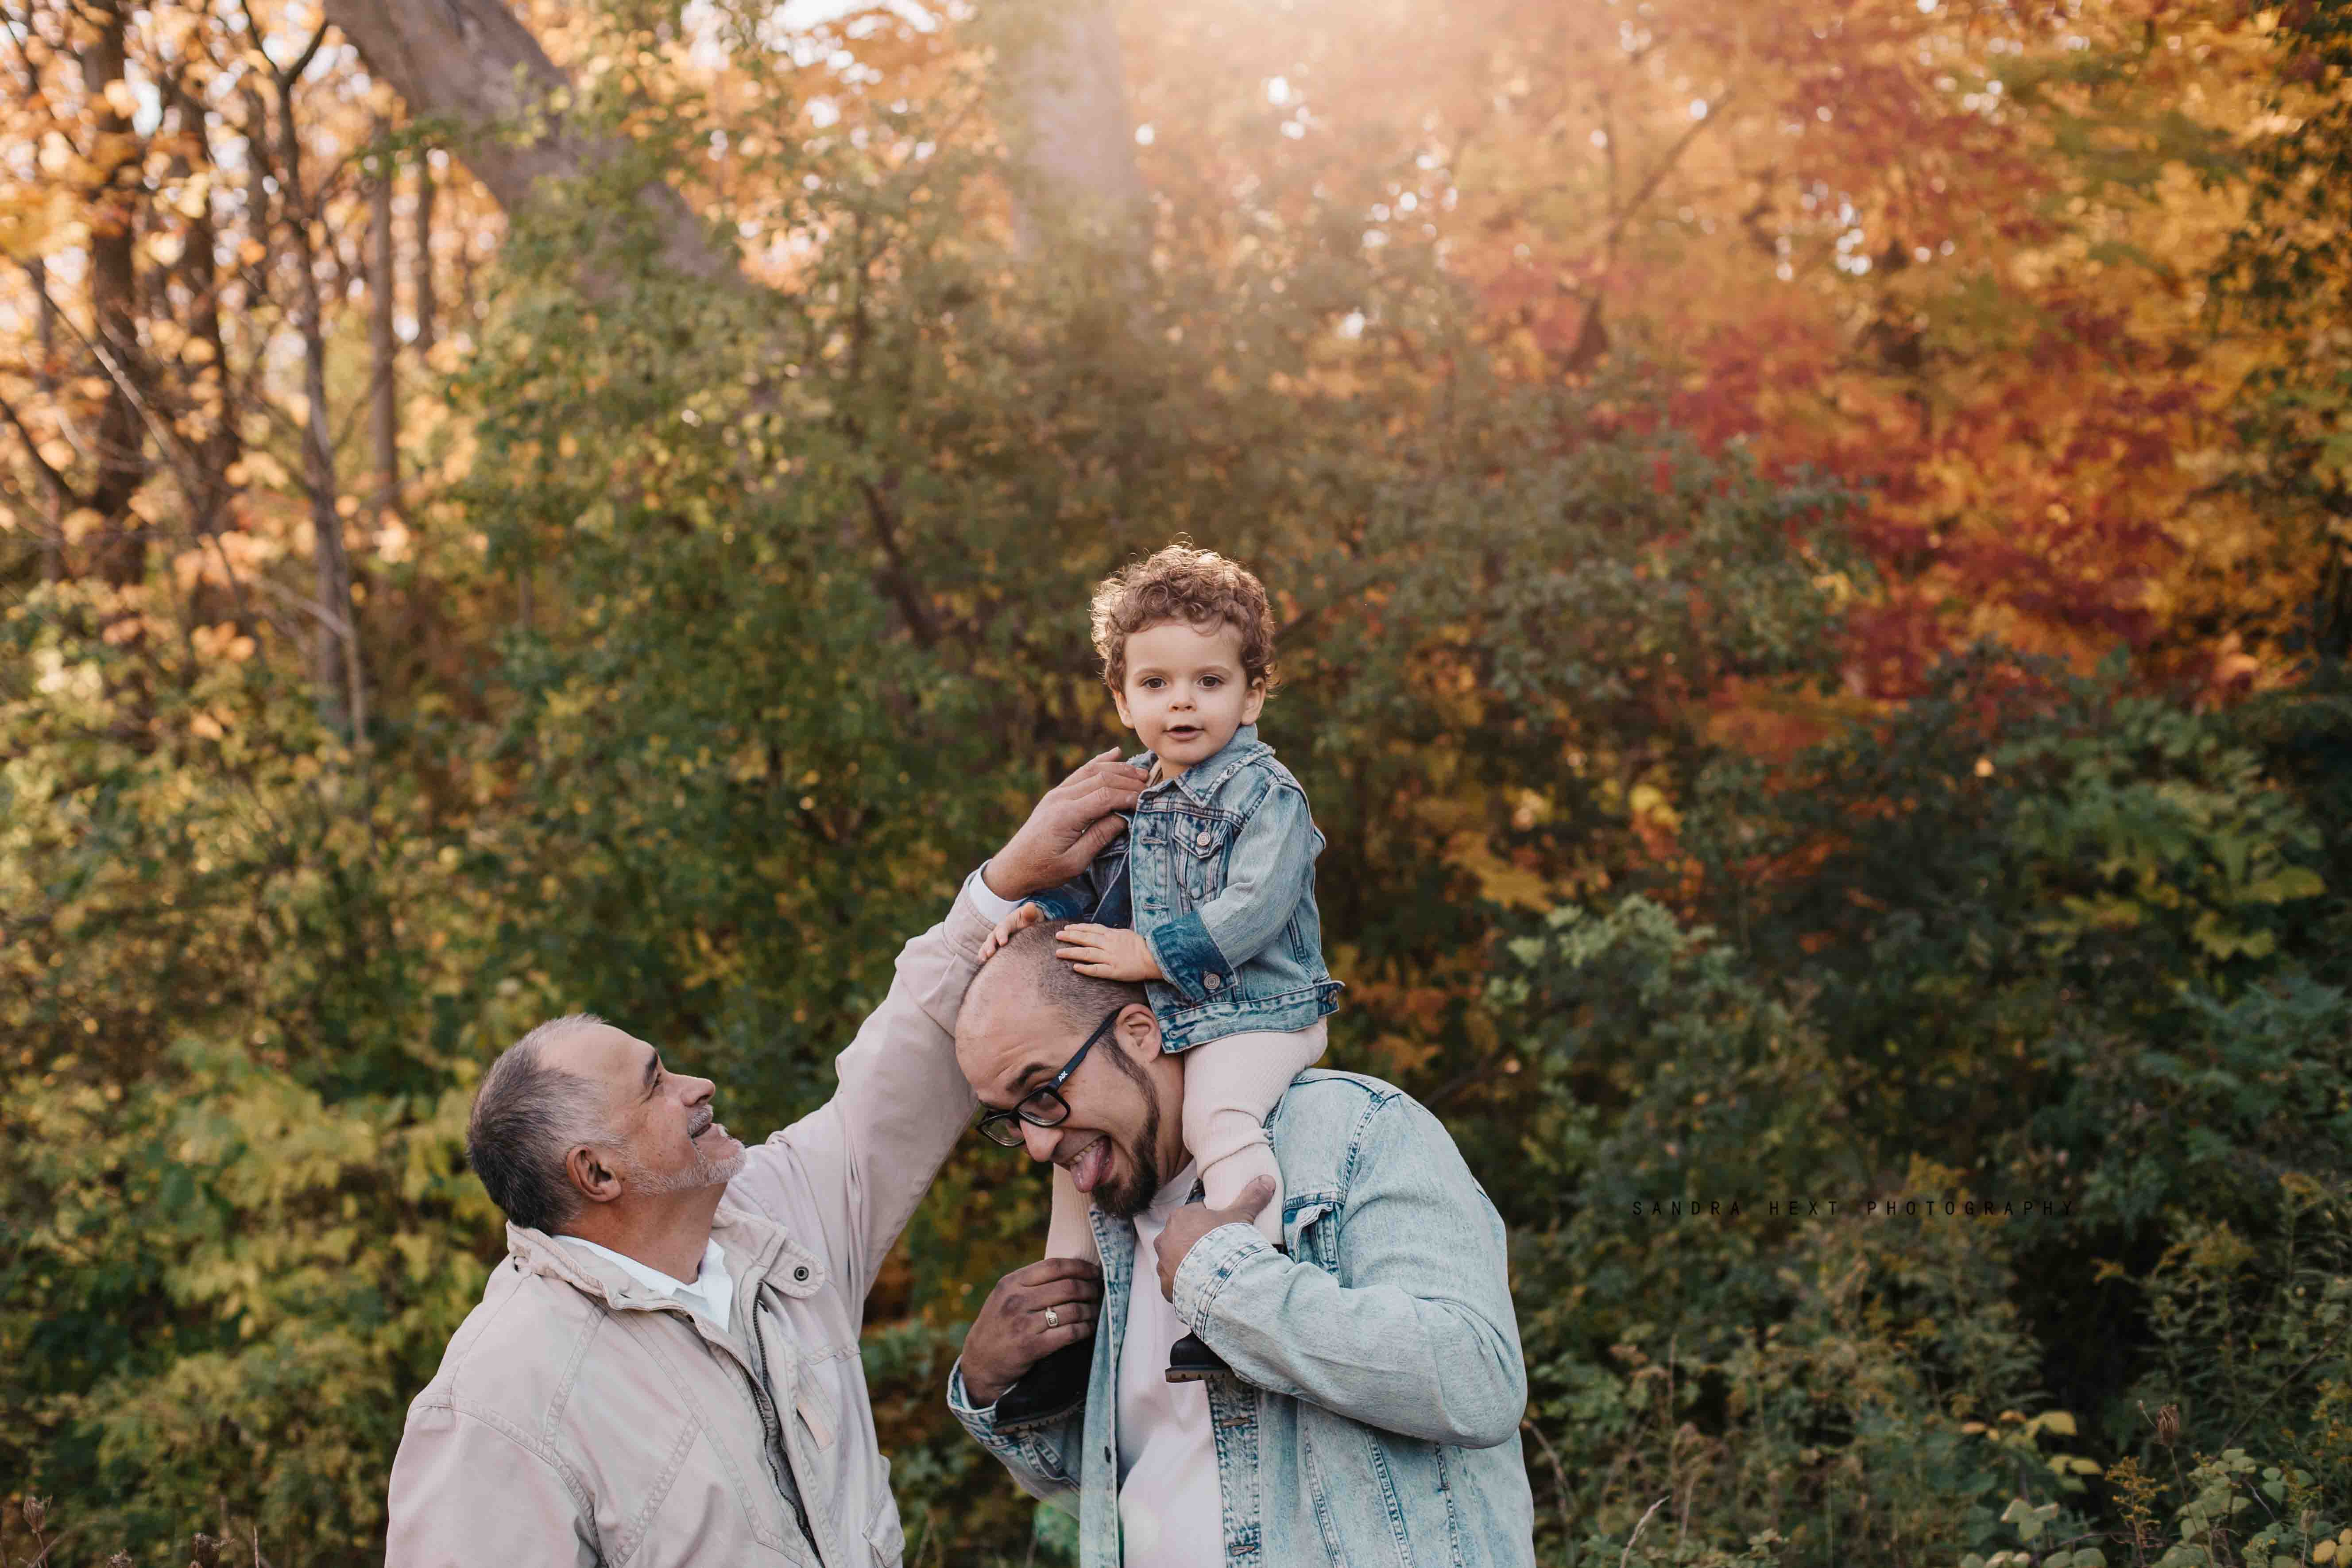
[665, 1138]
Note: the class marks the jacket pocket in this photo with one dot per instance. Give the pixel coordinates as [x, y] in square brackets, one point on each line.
[1199, 861]
[1309, 1232]
[884, 1533]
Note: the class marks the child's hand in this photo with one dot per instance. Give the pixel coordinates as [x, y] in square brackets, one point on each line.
[1107, 952]
[1021, 918]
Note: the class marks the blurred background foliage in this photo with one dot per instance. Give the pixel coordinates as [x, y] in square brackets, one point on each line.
[1810, 545]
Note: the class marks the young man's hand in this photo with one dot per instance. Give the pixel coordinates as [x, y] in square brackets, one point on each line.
[1021, 918]
[1188, 1224]
[1107, 952]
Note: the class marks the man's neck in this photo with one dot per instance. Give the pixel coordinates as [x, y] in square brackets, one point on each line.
[669, 1237]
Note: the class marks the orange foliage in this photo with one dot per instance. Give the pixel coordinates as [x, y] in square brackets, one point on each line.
[1955, 256]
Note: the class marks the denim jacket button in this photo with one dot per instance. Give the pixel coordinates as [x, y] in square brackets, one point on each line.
[1202, 840]
[1212, 982]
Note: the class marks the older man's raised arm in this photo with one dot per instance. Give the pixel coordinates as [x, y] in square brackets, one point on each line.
[853, 1170]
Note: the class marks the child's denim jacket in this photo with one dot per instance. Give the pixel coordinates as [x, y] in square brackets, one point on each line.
[1216, 871]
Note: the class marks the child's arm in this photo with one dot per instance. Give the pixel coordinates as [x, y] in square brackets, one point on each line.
[1269, 869]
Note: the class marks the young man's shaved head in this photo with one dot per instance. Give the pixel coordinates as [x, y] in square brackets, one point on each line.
[1024, 974]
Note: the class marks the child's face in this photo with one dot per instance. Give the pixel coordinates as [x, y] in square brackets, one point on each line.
[1184, 694]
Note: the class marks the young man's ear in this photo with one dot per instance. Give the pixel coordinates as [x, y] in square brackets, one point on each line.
[1118, 699]
[597, 1181]
[1138, 1030]
[1256, 700]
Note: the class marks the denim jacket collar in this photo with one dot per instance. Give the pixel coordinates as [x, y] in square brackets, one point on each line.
[1202, 781]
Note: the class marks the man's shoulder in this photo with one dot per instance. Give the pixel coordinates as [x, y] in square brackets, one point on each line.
[512, 1358]
[1325, 1091]
[1336, 1110]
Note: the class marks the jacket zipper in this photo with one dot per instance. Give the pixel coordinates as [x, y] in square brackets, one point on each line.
[777, 1452]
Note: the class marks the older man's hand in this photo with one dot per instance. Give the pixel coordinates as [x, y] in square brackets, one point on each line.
[1071, 825]
[1011, 1334]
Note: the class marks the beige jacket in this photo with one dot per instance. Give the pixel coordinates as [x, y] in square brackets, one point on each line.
[579, 1417]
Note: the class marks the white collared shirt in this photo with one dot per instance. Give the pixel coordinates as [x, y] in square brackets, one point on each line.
[711, 1294]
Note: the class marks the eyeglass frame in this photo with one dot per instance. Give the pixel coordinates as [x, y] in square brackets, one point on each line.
[1053, 1086]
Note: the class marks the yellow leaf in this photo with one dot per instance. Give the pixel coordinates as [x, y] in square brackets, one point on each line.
[2058, 1421]
[34, 221]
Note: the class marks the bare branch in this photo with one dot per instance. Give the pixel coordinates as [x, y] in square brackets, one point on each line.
[49, 476]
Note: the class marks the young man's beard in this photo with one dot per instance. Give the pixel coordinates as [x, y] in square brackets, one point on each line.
[1125, 1200]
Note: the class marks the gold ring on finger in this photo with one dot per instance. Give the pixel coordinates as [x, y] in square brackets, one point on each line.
[1053, 1319]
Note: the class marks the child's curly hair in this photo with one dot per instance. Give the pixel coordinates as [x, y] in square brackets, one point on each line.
[1178, 582]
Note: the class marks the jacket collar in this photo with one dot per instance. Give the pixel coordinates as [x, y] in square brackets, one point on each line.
[1204, 778]
[757, 1252]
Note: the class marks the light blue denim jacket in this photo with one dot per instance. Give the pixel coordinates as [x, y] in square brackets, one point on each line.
[1216, 872]
[1375, 1420]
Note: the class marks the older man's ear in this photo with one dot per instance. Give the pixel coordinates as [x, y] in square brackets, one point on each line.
[597, 1181]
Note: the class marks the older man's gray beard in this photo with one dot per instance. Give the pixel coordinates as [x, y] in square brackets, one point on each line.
[704, 1173]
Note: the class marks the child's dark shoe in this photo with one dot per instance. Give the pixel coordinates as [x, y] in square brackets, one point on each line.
[1190, 1360]
[1052, 1389]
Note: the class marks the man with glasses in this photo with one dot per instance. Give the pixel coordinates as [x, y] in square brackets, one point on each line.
[664, 1368]
[1373, 1408]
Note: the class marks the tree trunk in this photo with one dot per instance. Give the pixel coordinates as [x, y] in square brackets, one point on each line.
[334, 650]
[384, 342]
[472, 62]
[119, 557]
[1064, 102]
[208, 390]
[45, 382]
[421, 275]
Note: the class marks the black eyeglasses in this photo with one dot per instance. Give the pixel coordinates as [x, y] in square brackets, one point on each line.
[1043, 1106]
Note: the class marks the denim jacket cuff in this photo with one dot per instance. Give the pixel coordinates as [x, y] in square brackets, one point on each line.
[1058, 908]
[1214, 1260]
[1189, 958]
[977, 1420]
[1024, 1449]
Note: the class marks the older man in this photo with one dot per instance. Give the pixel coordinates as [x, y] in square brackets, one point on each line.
[1374, 1413]
[664, 1369]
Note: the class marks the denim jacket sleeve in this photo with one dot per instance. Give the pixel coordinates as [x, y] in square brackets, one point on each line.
[1269, 869]
[1078, 897]
[1422, 1340]
[1033, 1455]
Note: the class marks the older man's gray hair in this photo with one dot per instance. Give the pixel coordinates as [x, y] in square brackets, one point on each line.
[528, 1115]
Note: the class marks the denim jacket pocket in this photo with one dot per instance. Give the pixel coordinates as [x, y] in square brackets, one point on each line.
[1311, 1231]
[1202, 843]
